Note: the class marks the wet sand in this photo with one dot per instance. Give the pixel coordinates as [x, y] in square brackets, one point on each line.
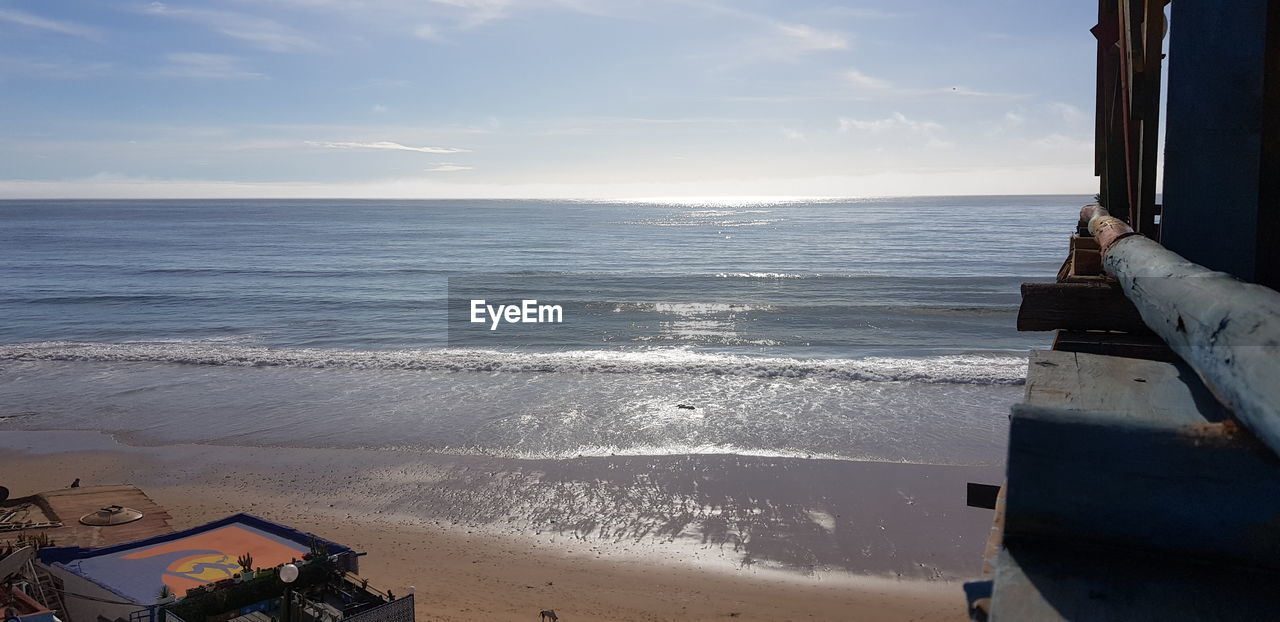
[615, 538]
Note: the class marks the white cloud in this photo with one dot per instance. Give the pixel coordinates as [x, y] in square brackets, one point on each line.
[855, 13]
[791, 134]
[426, 31]
[1064, 142]
[865, 81]
[51, 69]
[448, 167]
[965, 91]
[583, 126]
[259, 32]
[41, 23]
[1066, 111]
[383, 144]
[884, 87]
[1014, 118]
[780, 40]
[899, 124]
[204, 66]
[895, 121]
[809, 39]
[477, 12]
[379, 109]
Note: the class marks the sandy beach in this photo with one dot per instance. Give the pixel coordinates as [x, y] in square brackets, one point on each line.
[465, 565]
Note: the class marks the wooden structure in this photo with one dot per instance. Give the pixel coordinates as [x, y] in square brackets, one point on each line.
[1228, 330]
[1130, 36]
[1222, 146]
[1143, 474]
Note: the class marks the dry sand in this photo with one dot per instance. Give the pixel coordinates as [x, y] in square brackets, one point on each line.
[461, 570]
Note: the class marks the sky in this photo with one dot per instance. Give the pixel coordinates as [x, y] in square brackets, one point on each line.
[544, 98]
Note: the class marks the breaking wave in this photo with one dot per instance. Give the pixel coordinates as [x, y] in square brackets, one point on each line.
[987, 369]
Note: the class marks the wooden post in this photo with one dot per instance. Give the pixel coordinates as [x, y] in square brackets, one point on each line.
[1221, 190]
[1147, 109]
[1227, 330]
[1077, 306]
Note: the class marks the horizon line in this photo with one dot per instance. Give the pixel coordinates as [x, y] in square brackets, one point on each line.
[655, 199]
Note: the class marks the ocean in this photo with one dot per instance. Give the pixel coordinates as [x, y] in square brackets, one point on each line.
[877, 329]
[850, 331]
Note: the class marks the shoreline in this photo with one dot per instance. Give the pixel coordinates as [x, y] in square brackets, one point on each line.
[464, 570]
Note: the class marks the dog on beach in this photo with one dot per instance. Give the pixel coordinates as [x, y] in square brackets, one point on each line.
[543, 616]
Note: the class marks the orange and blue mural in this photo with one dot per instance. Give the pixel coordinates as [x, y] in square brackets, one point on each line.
[189, 559]
[210, 556]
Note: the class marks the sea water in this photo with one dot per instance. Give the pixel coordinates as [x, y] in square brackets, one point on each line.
[865, 330]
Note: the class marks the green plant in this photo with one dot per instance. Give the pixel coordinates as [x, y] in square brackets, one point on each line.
[214, 601]
[37, 541]
[319, 550]
[245, 561]
[165, 592]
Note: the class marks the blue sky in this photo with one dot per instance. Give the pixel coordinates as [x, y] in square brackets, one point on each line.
[544, 98]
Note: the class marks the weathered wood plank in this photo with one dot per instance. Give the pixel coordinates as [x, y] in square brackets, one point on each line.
[1077, 306]
[1082, 243]
[1123, 387]
[1228, 331]
[995, 538]
[1209, 491]
[1064, 272]
[1085, 262]
[1127, 345]
[1078, 582]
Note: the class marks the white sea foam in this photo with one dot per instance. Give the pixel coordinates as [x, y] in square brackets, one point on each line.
[674, 449]
[993, 369]
[690, 308]
[690, 222]
[766, 275]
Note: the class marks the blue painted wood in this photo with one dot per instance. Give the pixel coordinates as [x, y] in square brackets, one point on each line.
[1209, 491]
[1213, 182]
[1126, 388]
[1078, 582]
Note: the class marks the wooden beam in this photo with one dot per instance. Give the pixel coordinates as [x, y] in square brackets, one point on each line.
[1128, 87]
[1228, 331]
[1207, 491]
[1127, 345]
[1075, 581]
[1220, 193]
[995, 537]
[1266, 259]
[1086, 262]
[1149, 113]
[1081, 243]
[1077, 306]
[1123, 388]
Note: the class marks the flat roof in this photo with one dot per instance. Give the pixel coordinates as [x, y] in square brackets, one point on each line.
[67, 505]
[185, 559]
